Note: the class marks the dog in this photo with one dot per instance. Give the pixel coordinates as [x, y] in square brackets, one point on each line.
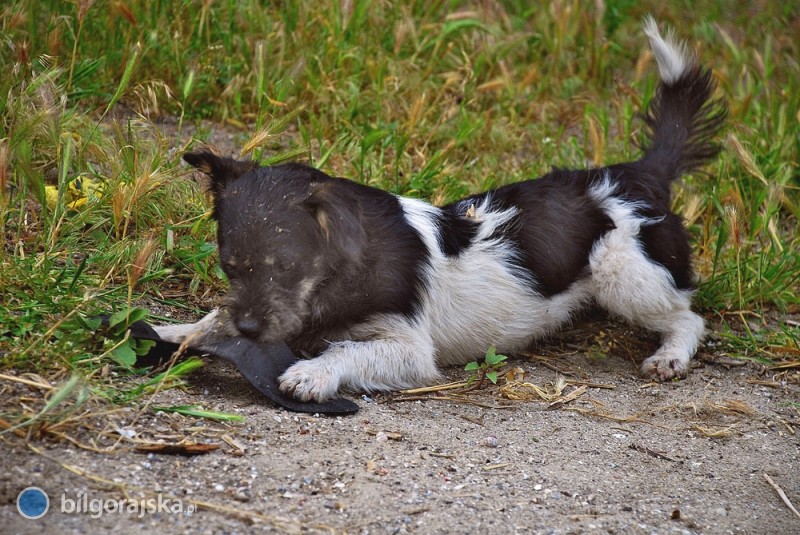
[379, 291]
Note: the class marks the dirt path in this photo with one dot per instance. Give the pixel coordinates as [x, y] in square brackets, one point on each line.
[635, 458]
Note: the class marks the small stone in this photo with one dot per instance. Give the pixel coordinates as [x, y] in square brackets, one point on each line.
[242, 494]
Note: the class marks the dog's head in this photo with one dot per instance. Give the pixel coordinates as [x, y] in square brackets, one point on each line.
[283, 232]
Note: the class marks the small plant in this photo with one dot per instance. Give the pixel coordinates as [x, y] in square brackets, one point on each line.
[125, 349]
[487, 369]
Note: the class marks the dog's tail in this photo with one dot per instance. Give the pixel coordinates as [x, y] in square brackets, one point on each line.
[684, 118]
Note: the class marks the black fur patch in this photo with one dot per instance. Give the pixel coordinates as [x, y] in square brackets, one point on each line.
[387, 280]
[456, 231]
[555, 227]
[665, 241]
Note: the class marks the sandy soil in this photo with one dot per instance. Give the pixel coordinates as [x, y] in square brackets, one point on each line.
[630, 457]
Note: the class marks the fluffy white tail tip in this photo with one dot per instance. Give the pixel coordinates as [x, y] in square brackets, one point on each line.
[672, 56]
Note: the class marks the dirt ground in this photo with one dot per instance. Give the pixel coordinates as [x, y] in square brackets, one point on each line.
[624, 456]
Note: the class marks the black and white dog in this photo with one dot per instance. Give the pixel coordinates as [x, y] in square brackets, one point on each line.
[382, 290]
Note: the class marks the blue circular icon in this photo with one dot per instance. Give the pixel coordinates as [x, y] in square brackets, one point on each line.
[32, 503]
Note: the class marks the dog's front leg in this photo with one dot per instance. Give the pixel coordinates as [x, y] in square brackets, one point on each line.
[177, 334]
[396, 355]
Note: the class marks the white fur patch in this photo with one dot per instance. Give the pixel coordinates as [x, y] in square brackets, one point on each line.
[478, 298]
[389, 352]
[672, 56]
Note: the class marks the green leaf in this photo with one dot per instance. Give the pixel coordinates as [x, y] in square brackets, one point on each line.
[196, 411]
[136, 314]
[118, 317]
[179, 370]
[472, 366]
[91, 324]
[143, 347]
[122, 319]
[124, 355]
[492, 376]
[456, 26]
[187, 84]
[492, 358]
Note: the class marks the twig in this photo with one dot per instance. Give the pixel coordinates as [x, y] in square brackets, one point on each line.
[786, 365]
[417, 511]
[28, 382]
[651, 453]
[4, 424]
[569, 397]
[591, 384]
[443, 455]
[787, 424]
[771, 384]
[782, 495]
[495, 466]
[434, 388]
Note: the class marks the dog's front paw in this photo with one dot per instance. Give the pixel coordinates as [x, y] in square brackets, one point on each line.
[664, 368]
[309, 380]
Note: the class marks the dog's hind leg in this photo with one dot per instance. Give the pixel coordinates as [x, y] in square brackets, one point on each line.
[681, 332]
[629, 283]
[394, 353]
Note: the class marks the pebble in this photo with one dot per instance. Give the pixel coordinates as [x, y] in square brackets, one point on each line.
[242, 494]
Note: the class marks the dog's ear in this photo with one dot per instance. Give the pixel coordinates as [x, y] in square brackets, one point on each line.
[338, 214]
[220, 169]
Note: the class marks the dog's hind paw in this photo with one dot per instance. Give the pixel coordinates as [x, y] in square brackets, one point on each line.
[309, 380]
[664, 368]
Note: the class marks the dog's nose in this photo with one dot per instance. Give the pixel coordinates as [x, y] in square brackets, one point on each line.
[248, 326]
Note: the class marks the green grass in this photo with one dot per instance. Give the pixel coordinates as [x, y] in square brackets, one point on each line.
[432, 99]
